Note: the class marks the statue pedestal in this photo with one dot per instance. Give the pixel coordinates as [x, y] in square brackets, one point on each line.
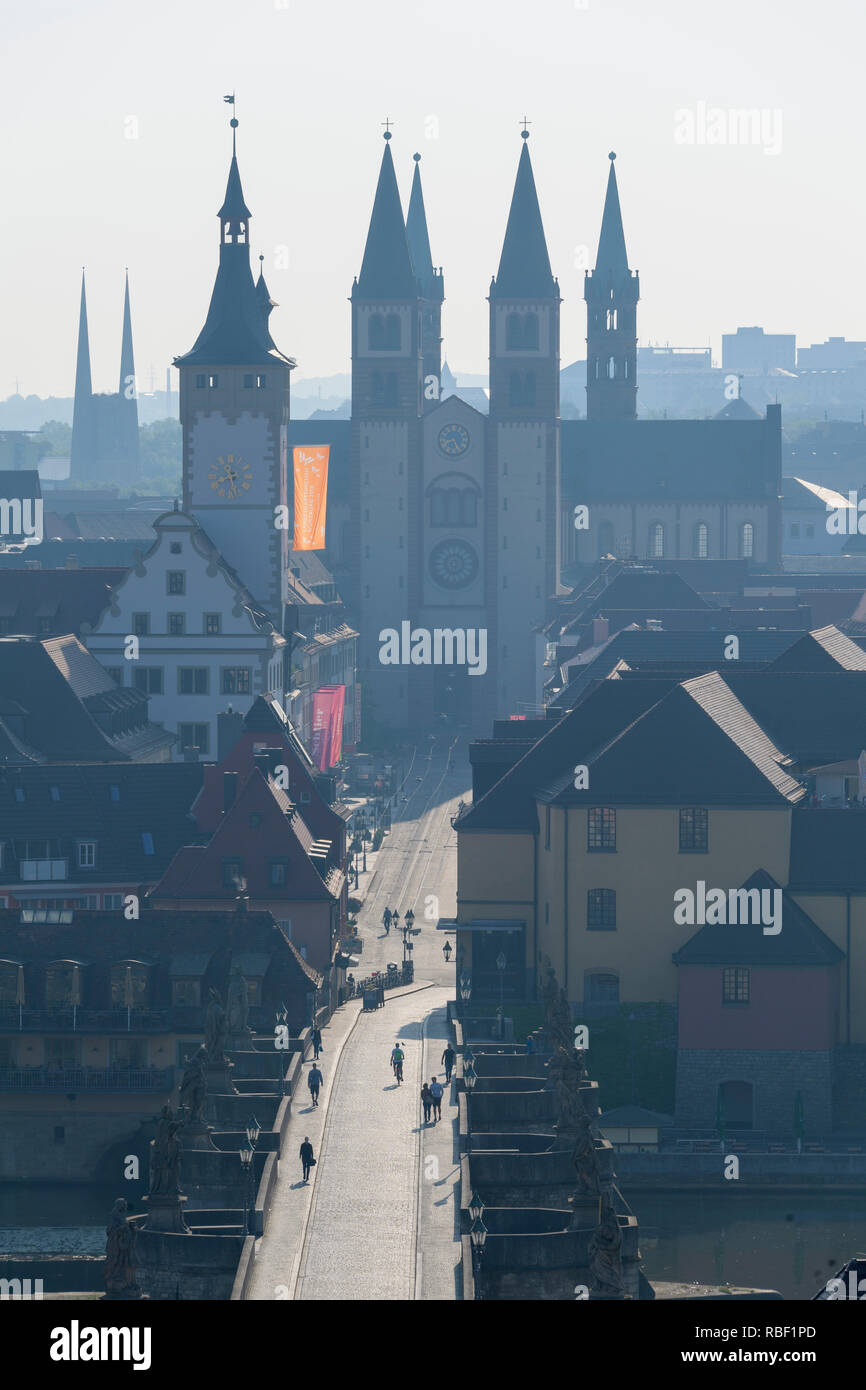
[165, 1212]
[196, 1135]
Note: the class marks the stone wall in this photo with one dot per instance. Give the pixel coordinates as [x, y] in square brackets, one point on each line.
[776, 1077]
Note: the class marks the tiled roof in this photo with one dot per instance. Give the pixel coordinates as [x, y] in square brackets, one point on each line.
[800, 942]
[828, 851]
[823, 649]
[816, 716]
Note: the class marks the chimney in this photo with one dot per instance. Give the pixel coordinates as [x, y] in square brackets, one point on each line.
[600, 630]
[72, 562]
[190, 754]
[229, 729]
[230, 790]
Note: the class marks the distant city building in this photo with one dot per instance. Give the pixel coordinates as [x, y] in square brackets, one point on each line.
[105, 427]
[655, 358]
[831, 355]
[753, 350]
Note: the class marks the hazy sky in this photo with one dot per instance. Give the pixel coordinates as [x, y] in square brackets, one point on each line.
[723, 234]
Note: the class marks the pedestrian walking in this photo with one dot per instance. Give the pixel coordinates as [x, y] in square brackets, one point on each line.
[307, 1158]
[427, 1102]
[314, 1081]
[449, 1057]
[316, 1040]
[436, 1090]
[386, 920]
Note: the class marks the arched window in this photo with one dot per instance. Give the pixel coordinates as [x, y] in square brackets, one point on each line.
[601, 987]
[656, 541]
[611, 369]
[392, 333]
[453, 506]
[747, 541]
[376, 332]
[597, 365]
[700, 544]
[530, 331]
[606, 540]
[521, 332]
[610, 325]
[129, 985]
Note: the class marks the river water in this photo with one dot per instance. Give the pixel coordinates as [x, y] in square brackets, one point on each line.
[789, 1243]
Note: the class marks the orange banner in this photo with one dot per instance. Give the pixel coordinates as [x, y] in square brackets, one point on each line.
[311, 495]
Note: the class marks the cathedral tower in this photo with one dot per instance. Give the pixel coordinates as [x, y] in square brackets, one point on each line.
[524, 446]
[387, 406]
[611, 292]
[431, 287]
[234, 410]
[82, 451]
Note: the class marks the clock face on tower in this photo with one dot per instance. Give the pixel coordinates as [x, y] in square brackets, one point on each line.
[230, 476]
[453, 564]
[453, 440]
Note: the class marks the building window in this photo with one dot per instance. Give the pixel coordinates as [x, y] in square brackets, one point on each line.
[112, 902]
[193, 680]
[176, 624]
[175, 581]
[384, 333]
[735, 986]
[694, 826]
[141, 624]
[453, 506]
[87, 854]
[59, 982]
[212, 624]
[279, 873]
[385, 390]
[747, 541]
[601, 828]
[194, 736]
[213, 382]
[129, 985]
[148, 679]
[521, 332]
[200, 381]
[795, 530]
[701, 541]
[233, 872]
[186, 993]
[175, 547]
[236, 680]
[601, 988]
[521, 388]
[656, 541]
[127, 1052]
[601, 909]
[54, 793]
[810, 533]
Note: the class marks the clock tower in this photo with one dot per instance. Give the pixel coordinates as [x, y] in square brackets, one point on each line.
[234, 410]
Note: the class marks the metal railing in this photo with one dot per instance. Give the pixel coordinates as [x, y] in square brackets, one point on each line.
[86, 1078]
[67, 1018]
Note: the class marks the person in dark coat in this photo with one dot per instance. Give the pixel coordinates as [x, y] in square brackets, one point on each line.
[316, 1040]
[449, 1057]
[426, 1101]
[314, 1081]
[307, 1157]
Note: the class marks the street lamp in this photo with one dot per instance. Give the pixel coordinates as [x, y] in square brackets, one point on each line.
[465, 988]
[476, 1207]
[501, 963]
[247, 1155]
[470, 1076]
[478, 1239]
[410, 919]
[446, 951]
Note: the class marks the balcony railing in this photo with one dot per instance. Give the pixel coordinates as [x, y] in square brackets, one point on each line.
[86, 1078]
[181, 1018]
[39, 869]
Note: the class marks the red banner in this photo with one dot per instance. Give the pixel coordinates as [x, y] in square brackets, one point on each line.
[329, 703]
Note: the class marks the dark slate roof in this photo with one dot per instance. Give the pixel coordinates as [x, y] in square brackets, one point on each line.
[737, 409]
[386, 270]
[88, 553]
[611, 262]
[640, 460]
[800, 942]
[55, 681]
[828, 851]
[816, 716]
[418, 236]
[524, 267]
[638, 646]
[604, 710]
[698, 745]
[823, 649]
[151, 797]
[266, 716]
[234, 208]
[52, 602]
[235, 332]
[19, 483]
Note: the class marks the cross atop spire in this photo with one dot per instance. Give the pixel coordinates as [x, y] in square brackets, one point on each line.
[525, 123]
[387, 123]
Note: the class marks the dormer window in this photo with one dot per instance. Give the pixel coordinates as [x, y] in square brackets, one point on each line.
[86, 854]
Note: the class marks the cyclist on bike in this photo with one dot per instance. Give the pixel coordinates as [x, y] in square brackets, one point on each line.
[397, 1058]
[386, 920]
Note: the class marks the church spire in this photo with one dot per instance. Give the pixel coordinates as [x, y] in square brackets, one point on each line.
[524, 268]
[386, 270]
[83, 431]
[235, 330]
[127, 361]
[612, 261]
[418, 236]
[263, 294]
[611, 292]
